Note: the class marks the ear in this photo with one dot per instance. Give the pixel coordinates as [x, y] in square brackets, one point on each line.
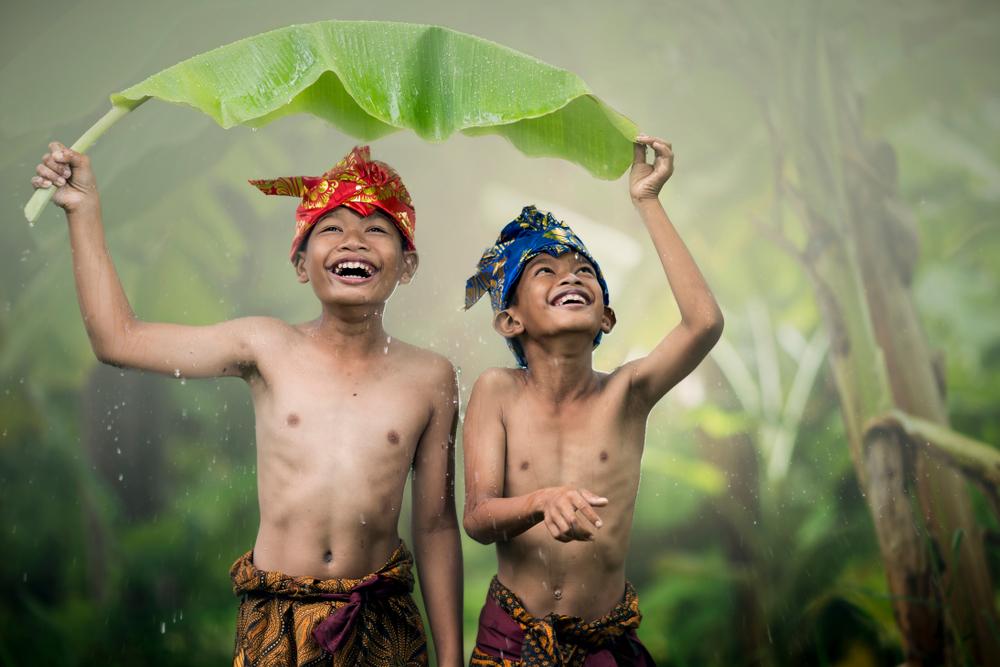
[410, 263]
[608, 320]
[300, 267]
[507, 324]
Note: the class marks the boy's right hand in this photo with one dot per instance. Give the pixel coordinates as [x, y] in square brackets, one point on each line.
[568, 513]
[70, 173]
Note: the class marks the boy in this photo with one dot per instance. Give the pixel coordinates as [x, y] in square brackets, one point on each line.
[552, 449]
[343, 411]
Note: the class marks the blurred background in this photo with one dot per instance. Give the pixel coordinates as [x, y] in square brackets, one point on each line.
[837, 179]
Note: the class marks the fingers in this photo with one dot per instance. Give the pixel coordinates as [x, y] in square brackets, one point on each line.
[590, 515]
[659, 146]
[48, 172]
[67, 156]
[56, 166]
[559, 527]
[593, 498]
[639, 152]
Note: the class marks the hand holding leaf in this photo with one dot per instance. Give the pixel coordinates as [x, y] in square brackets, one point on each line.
[70, 173]
[646, 180]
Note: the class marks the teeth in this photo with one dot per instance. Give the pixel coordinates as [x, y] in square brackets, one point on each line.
[571, 298]
[361, 266]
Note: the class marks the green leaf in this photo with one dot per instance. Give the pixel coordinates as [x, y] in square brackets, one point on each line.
[371, 78]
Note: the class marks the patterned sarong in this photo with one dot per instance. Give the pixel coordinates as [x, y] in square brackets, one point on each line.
[511, 637]
[297, 621]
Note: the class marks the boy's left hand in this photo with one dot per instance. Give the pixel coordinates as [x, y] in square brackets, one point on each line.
[646, 180]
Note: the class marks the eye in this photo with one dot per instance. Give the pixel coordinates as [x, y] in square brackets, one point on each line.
[543, 269]
[331, 228]
[585, 269]
[380, 230]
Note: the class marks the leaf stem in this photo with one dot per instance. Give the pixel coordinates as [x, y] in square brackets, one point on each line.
[42, 196]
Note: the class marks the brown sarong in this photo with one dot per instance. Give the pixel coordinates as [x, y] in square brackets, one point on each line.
[511, 637]
[287, 620]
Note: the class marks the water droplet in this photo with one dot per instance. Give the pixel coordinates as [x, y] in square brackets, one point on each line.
[121, 476]
[163, 627]
[177, 372]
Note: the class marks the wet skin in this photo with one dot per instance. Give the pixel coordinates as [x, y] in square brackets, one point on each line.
[552, 452]
[593, 442]
[343, 411]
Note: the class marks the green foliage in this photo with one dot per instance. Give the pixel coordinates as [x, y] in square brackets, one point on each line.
[102, 570]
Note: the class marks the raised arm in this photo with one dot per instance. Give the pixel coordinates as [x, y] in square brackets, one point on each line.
[116, 336]
[684, 346]
[567, 512]
[436, 541]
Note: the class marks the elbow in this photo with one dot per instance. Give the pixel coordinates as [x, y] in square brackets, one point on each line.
[474, 530]
[714, 327]
[708, 330]
[109, 344]
[105, 353]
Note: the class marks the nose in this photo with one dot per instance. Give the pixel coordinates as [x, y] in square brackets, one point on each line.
[570, 278]
[353, 239]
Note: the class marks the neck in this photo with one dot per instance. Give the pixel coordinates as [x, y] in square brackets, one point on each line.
[560, 370]
[352, 331]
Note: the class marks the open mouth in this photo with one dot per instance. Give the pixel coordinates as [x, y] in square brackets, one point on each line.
[353, 270]
[571, 298]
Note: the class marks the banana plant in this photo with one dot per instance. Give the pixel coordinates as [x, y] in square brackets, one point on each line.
[372, 78]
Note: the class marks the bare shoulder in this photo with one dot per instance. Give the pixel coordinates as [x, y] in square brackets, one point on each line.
[498, 382]
[425, 366]
[261, 332]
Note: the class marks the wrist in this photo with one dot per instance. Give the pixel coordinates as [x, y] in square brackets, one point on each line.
[84, 209]
[646, 201]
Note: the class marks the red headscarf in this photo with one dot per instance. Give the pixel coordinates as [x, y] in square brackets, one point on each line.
[357, 182]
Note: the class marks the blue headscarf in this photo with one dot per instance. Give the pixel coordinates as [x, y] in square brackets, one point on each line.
[500, 267]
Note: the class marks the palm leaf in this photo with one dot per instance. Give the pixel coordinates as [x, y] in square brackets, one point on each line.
[370, 78]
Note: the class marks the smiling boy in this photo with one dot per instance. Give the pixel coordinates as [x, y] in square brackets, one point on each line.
[553, 448]
[343, 413]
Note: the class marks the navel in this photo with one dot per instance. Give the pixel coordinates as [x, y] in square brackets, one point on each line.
[328, 556]
[292, 419]
[393, 437]
[525, 465]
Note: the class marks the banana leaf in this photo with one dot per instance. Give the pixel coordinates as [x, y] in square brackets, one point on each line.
[371, 78]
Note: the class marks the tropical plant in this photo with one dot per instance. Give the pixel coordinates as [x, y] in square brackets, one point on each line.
[428, 79]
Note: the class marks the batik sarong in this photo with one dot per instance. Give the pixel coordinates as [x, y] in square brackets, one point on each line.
[297, 621]
[511, 637]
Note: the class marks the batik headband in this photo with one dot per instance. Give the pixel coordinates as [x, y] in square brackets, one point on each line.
[530, 234]
[357, 182]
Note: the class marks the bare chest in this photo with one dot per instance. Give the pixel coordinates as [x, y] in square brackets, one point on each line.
[585, 444]
[319, 412]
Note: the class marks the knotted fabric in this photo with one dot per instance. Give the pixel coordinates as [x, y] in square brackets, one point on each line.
[533, 232]
[357, 182]
[285, 620]
[510, 636]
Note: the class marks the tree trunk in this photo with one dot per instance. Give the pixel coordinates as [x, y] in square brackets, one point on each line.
[859, 255]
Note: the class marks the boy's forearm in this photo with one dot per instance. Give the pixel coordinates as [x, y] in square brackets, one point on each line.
[103, 304]
[697, 305]
[500, 519]
[439, 563]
